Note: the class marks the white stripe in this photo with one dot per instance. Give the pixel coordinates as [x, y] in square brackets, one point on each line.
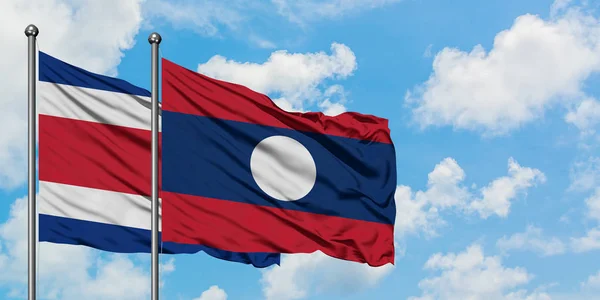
[96, 205]
[93, 105]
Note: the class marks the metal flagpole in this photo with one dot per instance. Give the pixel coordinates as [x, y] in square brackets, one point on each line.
[154, 39]
[31, 32]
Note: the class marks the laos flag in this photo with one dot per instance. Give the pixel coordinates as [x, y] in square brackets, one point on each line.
[242, 175]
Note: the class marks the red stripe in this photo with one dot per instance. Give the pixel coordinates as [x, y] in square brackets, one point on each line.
[189, 92]
[241, 227]
[95, 155]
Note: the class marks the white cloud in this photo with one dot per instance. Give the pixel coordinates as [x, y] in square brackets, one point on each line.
[415, 214]
[292, 79]
[108, 283]
[586, 116]
[589, 242]
[302, 274]
[332, 109]
[472, 275]
[420, 211]
[427, 52]
[309, 10]
[202, 16]
[559, 6]
[593, 205]
[532, 239]
[533, 66]
[73, 31]
[333, 103]
[588, 290]
[585, 175]
[213, 293]
[497, 195]
[524, 295]
[261, 42]
[82, 270]
[592, 283]
[444, 189]
[211, 18]
[167, 267]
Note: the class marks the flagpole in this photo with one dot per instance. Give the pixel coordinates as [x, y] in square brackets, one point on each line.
[154, 39]
[31, 32]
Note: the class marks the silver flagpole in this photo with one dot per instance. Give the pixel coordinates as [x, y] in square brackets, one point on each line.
[31, 32]
[154, 39]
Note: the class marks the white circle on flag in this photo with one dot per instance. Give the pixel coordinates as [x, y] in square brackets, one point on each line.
[283, 168]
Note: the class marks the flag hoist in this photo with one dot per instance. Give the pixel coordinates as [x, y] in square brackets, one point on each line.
[154, 39]
[31, 32]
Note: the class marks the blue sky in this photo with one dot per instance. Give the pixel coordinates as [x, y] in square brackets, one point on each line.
[493, 109]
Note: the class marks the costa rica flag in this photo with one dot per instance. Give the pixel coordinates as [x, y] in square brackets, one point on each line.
[240, 174]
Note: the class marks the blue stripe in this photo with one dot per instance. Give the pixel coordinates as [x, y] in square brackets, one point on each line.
[211, 158]
[54, 70]
[123, 239]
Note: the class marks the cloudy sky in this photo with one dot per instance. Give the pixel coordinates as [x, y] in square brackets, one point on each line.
[493, 108]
